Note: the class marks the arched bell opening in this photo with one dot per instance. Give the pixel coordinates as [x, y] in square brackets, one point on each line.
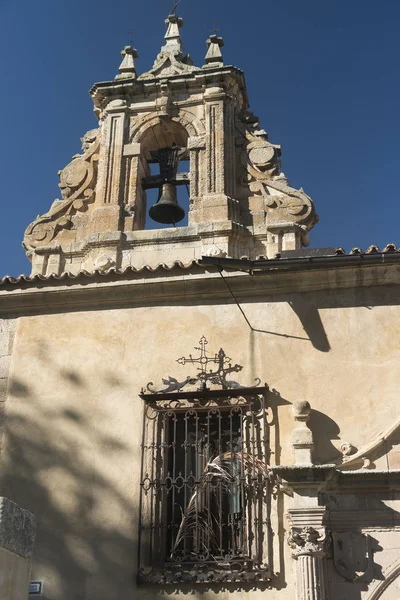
[166, 177]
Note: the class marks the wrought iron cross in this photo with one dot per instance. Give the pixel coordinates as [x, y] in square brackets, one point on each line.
[215, 28]
[222, 362]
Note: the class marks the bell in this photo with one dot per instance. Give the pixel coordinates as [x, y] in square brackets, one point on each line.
[167, 210]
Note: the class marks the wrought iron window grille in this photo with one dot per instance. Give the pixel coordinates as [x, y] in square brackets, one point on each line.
[205, 490]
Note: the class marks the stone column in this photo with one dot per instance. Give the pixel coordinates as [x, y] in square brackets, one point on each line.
[308, 537]
[17, 536]
[309, 551]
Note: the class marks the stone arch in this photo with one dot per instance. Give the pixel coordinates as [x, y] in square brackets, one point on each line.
[193, 126]
[390, 574]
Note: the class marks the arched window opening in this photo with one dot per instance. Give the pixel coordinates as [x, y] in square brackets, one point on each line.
[166, 176]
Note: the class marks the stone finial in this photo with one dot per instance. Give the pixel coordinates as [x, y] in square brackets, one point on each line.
[172, 37]
[302, 437]
[171, 60]
[214, 54]
[127, 69]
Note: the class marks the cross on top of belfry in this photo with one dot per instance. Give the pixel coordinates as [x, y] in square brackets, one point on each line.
[216, 29]
[176, 4]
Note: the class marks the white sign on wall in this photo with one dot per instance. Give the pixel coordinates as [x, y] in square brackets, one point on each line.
[36, 588]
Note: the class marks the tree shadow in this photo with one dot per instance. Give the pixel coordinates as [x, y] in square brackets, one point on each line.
[49, 469]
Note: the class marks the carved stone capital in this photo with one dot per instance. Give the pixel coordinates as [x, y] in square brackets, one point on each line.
[308, 541]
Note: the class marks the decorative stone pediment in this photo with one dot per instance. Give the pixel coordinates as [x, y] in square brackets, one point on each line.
[168, 64]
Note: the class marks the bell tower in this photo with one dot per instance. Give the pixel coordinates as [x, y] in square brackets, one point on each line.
[239, 201]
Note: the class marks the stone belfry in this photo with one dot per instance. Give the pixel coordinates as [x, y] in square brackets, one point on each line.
[240, 203]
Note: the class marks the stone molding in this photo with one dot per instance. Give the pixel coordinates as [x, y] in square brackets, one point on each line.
[390, 575]
[17, 529]
[135, 288]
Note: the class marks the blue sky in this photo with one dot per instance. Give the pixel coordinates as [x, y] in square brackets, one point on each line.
[323, 76]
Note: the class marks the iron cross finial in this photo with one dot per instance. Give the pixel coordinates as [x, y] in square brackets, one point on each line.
[176, 4]
[215, 28]
[131, 37]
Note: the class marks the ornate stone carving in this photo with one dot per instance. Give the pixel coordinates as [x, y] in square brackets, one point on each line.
[307, 541]
[214, 250]
[260, 158]
[310, 547]
[77, 184]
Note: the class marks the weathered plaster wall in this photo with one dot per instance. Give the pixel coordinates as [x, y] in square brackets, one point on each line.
[74, 418]
[14, 576]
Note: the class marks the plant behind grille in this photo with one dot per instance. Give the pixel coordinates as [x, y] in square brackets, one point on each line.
[200, 515]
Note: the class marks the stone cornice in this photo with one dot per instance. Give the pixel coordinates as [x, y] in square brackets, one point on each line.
[327, 477]
[193, 283]
[130, 87]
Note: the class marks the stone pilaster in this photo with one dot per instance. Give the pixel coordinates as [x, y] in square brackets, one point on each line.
[308, 538]
[216, 205]
[309, 547]
[111, 157]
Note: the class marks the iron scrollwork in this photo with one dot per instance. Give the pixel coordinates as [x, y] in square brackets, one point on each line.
[221, 367]
[205, 483]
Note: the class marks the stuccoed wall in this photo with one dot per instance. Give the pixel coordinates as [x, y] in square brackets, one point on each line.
[74, 417]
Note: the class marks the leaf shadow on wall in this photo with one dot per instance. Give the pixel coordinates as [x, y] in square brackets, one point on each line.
[49, 470]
